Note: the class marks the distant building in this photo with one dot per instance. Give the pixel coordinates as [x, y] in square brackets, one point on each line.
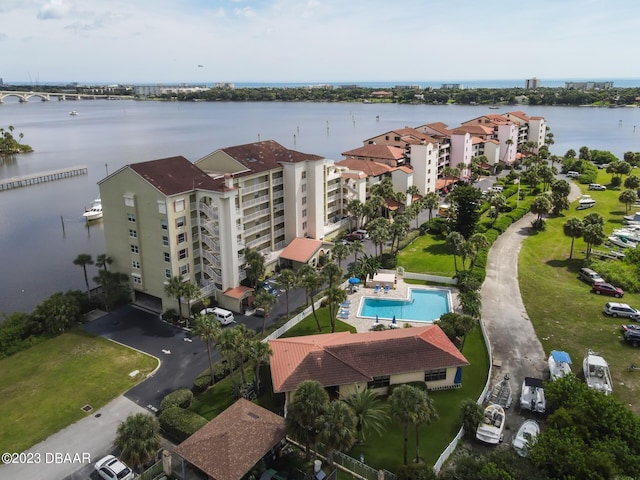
[451, 86]
[351, 86]
[532, 83]
[589, 85]
[224, 85]
[407, 87]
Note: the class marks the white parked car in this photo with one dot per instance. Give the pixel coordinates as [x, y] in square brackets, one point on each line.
[110, 468]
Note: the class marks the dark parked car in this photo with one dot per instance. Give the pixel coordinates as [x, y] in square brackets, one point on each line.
[603, 288]
[633, 337]
[352, 237]
[630, 326]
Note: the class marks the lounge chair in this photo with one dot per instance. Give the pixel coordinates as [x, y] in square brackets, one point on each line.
[386, 289]
[376, 289]
[346, 304]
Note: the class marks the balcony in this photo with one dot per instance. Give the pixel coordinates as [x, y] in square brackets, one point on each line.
[258, 241]
[256, 201]
[278, 194]
[277, 181]
[257, 228]
[259, 214]
[254, 188]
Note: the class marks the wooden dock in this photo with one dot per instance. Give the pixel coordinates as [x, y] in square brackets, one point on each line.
[36, 178]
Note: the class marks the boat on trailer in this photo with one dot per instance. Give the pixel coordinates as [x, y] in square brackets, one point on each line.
[491, 427]
[500, 393]
[596, 373]
[526, 436]
[532, 396]
[559, 364]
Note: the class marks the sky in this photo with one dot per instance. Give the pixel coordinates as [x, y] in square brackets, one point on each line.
[316, 41]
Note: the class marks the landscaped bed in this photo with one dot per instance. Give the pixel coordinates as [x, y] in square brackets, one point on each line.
[43, 388]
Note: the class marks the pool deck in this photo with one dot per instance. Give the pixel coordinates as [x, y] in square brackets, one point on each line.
[400, 292]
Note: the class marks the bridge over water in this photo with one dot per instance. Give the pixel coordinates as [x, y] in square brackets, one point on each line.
[24, 97]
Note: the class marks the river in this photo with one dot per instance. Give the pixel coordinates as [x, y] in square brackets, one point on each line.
[37, 252]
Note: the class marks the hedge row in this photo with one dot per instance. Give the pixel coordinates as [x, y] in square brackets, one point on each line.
[179, 424]
[180, 398]
[221, 370]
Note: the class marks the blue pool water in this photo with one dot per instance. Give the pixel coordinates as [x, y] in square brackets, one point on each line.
[422, 306]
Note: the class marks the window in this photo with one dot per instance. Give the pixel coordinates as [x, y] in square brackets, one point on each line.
[134, 248]
[304, 213]
[180, 222]
[167, 257]
[304, 175]
[178, 205]
[182, 254]
[162, 207]
[135, 264]
[131, 217]
[397, 139]
[184, 269]
[128, 201]
[133, 233]
[137, 279]
[181, 238]
[386, 137]
[379, 382]
[165, 241]
[433, 375]
[304, 187]
[163, 224]
[304, 200]
[304, 225]
[167, 272]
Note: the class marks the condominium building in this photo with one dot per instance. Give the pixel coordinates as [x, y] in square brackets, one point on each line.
[171, 217]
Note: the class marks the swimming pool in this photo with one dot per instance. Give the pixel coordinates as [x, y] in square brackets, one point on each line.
[422, 306]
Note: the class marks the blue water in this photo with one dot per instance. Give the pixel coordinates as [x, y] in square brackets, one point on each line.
[422, 306]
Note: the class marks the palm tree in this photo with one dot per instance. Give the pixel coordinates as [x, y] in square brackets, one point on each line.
[541, 205]
[208, 329]
[375, 207]
[356, 208]
[402, 404]
[593, 234]
[573, 228]
[379, 232]
[259, 354]
[337, 428]
[266, 301]
[431, 202]
[455, 241]
[311, 282]
[398, 229]
[496, 202]
[335, 296]
[103, 260]
[470, 416]
[425, 414]
[310, 401]
[227, 348]
[190, 291]
[371, 414]
[340, 252]
[254, 262]
[173, 288]
[479, 242]
[287, 280]
[356, 247]
[83, 260]
[138, 439]
[628, 197]
[241, 341]
[332, 273]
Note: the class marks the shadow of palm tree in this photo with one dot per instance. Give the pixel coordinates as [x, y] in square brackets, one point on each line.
[437, 249]
[572, 265]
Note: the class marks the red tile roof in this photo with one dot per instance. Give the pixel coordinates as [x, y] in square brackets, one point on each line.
[231, 444]
[345, 358]
[174, 175]
[267, 155]
[301, 249]
[238, 292]
[369, 167]
[384, 152]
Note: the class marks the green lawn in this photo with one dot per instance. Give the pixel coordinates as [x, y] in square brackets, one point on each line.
[565, 314]
[43, 388]
[428, 254]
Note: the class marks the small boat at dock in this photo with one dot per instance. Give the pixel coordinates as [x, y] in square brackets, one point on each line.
[95, 212]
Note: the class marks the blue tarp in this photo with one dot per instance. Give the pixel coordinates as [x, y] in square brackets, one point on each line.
[560, 356]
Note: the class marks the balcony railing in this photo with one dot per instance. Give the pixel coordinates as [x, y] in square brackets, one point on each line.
[213, 245]
[212, 274]
[259, 214]
[254, 188]
[255, 201]
[209, 211]
[208, 289]
[258, 241]
[257, 228]
[214, 260]
[278, 194]
[277, 181]
[212, 228]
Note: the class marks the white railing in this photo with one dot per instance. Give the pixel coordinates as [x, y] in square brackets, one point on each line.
[210, 212]
[257, 241]
[430, 278]
[214, 260]
[212, 244]
[252, 188]
[278, 232]
[255, 201]
[257, 228]
[215, 276]
[259, 214]
[208, 289]
[242, 274]
[278, 194]
[277, 181]
[212, 228]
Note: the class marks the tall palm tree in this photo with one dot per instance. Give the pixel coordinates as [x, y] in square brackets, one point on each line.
[311, 282]
[310, 401]
[371, 414]
[379, 232]
[208, 329]
[103, 260]
[259, 354]
[190, 291]
[227, 347]
[340, 252]
[242, 339]
[266, 301]
[83, 260]
[425, 414]
[455, 241]
[332, 274]
[431, 202]
[138, 439]
[337, 428]
[402, 404]
[356, 208]
[335, 296]
[398, 229]
[173, 288]
[287, 280]
[254, 262]
[572, 228]
[356, 247]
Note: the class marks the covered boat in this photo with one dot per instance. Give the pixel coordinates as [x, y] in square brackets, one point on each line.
[526, 436]
[532, 396]
[95, 212]
[500, 393]
[490, 429]
[559, 364]
[586, 202]
[596, 373]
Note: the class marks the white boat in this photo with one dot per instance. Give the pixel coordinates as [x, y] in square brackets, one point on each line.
[532, 396]
[621, 241]
[492, 425]
[95, 212]
[526, 436]
[596, 373]
[632, 218]
[500, 393]
[73, 112]
[559, 364]
[630, 232]
[586, 202]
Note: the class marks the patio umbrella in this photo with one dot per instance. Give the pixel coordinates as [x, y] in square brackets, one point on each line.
[354, 280]
[394, 320]
[377, 319]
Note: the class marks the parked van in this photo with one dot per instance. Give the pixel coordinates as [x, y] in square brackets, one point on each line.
[596, 186]
[590, 276]
[225, 317]
[496, 188]
[572, 174]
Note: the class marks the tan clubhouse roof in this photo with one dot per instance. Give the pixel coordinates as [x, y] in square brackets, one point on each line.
[230, 445]
[346, 358]
[301, 249]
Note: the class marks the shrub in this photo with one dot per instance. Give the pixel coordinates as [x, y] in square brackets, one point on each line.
[539, 225]
[435, 226]
[180, 398]
[202, 382]
[416, 471]
[502, 223]
[170, 315]
[179, 424]
[620, 274]
[388, 261]
[615, 182]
